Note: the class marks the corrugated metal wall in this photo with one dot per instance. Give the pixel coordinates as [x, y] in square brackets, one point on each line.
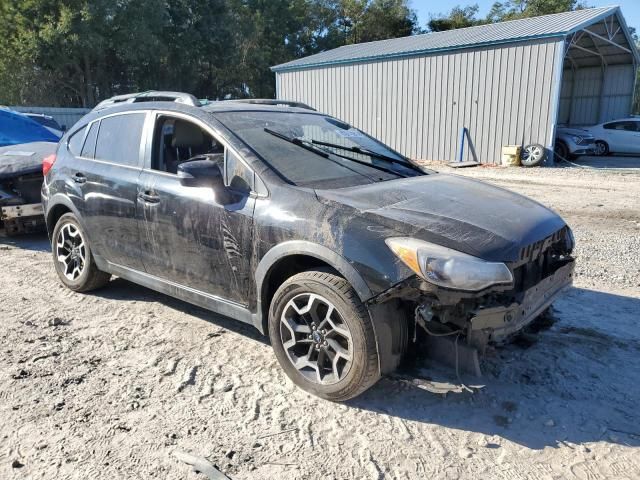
[64, 116]
[503, 95]
[586, 101]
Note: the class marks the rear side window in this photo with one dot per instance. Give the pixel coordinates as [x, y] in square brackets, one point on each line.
[75, 142]
[89, 147]
[119, 139]
[627, 126]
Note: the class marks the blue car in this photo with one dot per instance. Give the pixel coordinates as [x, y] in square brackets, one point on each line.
[24, 145]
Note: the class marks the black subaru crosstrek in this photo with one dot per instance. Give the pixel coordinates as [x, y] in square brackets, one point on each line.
[333, 244]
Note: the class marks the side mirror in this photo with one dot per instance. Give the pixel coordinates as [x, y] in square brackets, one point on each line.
[201, 173]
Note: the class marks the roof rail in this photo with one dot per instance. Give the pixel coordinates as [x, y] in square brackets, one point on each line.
[150, 96]
[271, 101]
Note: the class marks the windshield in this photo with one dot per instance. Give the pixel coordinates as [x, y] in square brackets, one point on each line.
[317, 151]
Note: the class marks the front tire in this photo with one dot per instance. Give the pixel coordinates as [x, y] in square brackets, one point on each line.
[560, 151]
[323, 336]
[72, 256]
[602, 148]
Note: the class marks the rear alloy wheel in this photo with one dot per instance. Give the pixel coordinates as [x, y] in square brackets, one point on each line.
[602, 148]
[71, 251]
[532, 155]
[323, 337]
[72, 256]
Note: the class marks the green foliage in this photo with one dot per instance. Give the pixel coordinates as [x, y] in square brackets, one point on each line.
[460, 17]
[77, 52]
[514, 9]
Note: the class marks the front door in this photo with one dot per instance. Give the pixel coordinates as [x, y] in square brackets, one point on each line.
[193, 236]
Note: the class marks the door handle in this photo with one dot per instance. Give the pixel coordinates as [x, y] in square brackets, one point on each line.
[79, 178]
[148, 196]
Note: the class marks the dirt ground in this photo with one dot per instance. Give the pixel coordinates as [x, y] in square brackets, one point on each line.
[111, 384]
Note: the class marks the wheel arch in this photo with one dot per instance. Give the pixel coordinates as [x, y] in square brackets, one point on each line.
[304, 255]
[58, 206]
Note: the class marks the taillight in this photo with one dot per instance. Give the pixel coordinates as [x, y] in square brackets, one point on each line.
[47, 163]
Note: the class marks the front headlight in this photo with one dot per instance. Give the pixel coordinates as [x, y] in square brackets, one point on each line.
[577, 140]
[449, 268]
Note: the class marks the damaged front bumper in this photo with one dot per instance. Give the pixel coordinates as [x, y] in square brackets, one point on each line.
[500, 322]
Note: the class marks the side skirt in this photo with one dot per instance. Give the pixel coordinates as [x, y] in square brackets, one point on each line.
[202, 299]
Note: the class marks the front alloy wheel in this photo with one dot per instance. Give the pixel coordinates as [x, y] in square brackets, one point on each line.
[322, 335]
[317, 341]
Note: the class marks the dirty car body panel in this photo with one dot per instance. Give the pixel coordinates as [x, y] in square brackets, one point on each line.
[307, 206]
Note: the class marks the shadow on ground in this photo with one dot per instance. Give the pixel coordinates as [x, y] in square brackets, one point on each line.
[38, 242]
[577, 382]
[632, 163]
[120, 289]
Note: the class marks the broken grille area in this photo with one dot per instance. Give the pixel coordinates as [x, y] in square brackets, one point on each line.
[541, 259]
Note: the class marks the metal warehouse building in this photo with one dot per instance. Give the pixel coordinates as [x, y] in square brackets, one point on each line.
[508, 83]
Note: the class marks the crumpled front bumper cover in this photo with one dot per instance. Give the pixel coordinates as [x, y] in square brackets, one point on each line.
[502, 321]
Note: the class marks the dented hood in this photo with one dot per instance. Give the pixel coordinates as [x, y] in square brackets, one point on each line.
[460, 213]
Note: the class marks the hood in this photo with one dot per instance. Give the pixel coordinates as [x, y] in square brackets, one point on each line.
[574, 131]
[456, 212]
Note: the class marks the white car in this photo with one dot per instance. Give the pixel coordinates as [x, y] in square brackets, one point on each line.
[617, 136]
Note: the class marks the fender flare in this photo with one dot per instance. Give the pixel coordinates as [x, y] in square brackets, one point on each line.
[390, 340]
[60, 199]
[303, 247]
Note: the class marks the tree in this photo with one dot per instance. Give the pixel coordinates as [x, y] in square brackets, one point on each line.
[355, 21]
[458, 17]
[78, 52]
[514, 9]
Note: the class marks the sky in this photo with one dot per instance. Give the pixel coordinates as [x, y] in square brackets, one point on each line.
[630, 8]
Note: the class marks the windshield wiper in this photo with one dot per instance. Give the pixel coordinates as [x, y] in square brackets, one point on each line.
[299, 142]
[308, 145]
[370, 153]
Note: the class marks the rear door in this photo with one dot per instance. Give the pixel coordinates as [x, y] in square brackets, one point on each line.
[107, 179]
[622, 136]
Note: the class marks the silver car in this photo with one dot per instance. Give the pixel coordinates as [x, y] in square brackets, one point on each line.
[573, 142]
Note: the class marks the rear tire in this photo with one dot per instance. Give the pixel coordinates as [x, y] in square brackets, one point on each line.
[602, 148]
[323, 336]
[72, 256]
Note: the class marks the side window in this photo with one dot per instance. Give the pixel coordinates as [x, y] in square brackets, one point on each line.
[75, 142]
[236, 174]
[119, 139]
[626, 126]
[176, 140]
[89, 148]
